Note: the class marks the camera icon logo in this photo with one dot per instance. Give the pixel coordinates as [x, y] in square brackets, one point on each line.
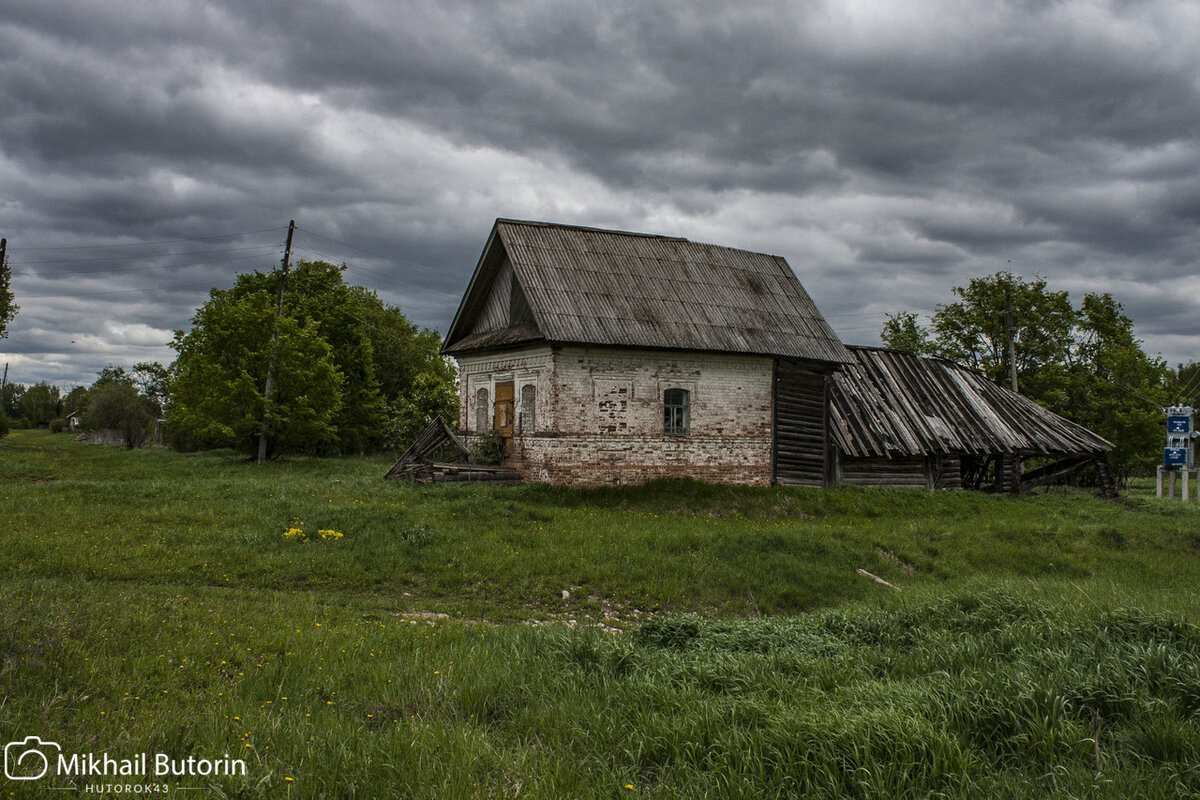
[28, 760]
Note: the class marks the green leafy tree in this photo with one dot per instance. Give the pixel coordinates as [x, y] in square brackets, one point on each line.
[974, 330]
[150, 378]
[74, 400]
[217, 380]
[903, 332]
[11, 402]
[429, 397]
[8, 309]
[416, 382]
[387, 377]
[1184, 386]
[40, 404]
[318, 295]
[114, 403]
[1116, 389]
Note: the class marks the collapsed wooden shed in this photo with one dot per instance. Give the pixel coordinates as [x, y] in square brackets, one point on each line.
[439, 455]
[897, 419]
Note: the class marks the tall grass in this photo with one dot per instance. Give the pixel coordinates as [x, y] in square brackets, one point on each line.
[1038, 646]
[991, 691]
[498, 553]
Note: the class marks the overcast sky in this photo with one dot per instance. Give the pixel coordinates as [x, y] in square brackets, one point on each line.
[151, 149]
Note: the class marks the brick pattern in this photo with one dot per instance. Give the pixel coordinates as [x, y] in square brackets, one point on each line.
[600, 414]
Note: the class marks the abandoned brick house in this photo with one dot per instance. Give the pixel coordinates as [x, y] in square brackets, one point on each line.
[610, 357]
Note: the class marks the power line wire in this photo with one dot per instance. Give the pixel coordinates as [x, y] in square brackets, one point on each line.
[145, 255]
[358, 268]
[1192, 384]
[393, 259]
[261, 254]
[1121, 386]
[190, 287]
[143, 244]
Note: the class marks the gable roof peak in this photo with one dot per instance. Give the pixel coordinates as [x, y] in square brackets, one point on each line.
[593, 286]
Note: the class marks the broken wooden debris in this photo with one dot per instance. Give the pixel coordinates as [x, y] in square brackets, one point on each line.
[439, 455]
[877, 579]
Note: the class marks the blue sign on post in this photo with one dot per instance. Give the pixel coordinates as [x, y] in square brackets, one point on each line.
[1179, 424]
[1174, 456]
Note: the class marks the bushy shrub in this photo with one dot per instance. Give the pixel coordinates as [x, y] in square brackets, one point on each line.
[116, 404]
[418, 534]
[488, 448]
[58, 425]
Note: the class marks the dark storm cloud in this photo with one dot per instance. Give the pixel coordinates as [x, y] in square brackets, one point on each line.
[889, 151]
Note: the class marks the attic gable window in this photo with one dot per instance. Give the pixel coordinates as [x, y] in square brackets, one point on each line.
[676, 412]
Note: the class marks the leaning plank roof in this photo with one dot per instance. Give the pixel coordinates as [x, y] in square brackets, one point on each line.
[539, 281]
[889, 403]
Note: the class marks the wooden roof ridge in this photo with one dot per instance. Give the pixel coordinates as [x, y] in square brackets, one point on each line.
[570, 226]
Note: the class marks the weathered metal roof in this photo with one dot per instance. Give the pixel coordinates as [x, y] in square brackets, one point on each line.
[889, 403]
[590, 286]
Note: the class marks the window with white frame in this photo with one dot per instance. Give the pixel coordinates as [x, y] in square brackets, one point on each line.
[676, 412]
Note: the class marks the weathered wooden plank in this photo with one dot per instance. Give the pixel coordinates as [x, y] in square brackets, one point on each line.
[891, 401]
[799, 453]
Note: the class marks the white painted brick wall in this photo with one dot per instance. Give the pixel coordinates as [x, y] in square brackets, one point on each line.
[600, 414]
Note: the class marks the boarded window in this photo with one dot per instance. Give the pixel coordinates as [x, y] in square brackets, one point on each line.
[528, 408]
[481, 411]
[676, 412]
[612, 404]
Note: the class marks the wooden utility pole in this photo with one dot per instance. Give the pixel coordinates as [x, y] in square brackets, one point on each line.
[4, 381]
[270, 387]
[1012, 355]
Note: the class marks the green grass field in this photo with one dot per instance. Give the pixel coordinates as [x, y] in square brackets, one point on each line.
[716, 642]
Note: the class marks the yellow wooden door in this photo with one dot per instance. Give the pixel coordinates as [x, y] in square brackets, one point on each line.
[503, 420]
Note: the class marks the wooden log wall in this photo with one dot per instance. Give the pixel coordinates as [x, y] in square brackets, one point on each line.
[1008, 475]
[800, 430]
[909, 472]
[902, 472]
[947, 472]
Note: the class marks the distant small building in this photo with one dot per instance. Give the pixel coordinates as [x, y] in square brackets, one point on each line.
[611, 357]
[897, 419]
[72, 422]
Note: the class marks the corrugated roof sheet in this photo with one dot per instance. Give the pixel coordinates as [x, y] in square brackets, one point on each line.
[888, 403]
[590, 286]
